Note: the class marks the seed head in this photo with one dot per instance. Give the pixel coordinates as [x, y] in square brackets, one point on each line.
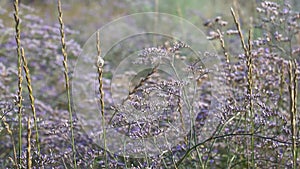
[100, 61]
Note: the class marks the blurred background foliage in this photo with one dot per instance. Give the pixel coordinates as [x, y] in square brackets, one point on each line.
[89, 15]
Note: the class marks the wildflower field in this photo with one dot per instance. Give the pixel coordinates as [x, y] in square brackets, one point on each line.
[149, 84]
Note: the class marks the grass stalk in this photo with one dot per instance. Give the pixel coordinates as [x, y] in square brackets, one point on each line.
[100, 63]
[20, 78]
[293, 108]
[247, 52]
[250, 92]
[66, 71]
[29, 158]
[281, 90]
[31, 97]
[238, 26]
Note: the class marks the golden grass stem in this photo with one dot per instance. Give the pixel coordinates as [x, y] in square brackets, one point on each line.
[31, 97]
[238, 26]
[250, 93]
[20, 78]
[100, 64]
[247, 52]
[66, 71]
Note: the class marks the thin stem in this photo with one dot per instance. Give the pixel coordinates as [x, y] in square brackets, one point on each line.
[240, 31]
[225, 136]
[136, 87]
[65, 63]
[31, 97]
[247, 52]
[250, 84]
[281, 90]
[293, 109]
[142, 81]
[20, 78]
[192, 125]
[100, 63]
[29, 159]
[217, 131]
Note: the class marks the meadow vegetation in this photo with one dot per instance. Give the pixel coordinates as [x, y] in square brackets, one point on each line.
[256, 107]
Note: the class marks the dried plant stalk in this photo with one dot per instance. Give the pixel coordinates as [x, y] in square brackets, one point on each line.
[29, 158]
[293, 109]
[238, 26]
[20, 78]
[247, 52]
[250, 93]
[31, 97]
[66, 71]
[100, 64]
[143, 81]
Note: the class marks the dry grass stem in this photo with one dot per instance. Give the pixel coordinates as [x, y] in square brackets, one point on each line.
[67, 82]
[293, 109]
[20, 78]
[29, 158]
[247, 52]
[31, 97]
[100, 64]
[238, 26]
